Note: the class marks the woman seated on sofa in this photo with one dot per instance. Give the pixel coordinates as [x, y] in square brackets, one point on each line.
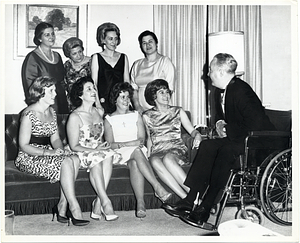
[167, 151]
[41, 151]
[124, 130]
[85, 134]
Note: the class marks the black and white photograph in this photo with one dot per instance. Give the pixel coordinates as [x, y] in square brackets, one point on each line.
[149, 121]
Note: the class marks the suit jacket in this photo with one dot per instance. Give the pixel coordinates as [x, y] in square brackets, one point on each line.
[243, 111]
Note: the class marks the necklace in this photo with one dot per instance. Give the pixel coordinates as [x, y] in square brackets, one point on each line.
[46, 56]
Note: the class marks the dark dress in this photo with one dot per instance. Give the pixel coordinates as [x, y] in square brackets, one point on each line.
[34, 66]
[108, 76]
[41, 166]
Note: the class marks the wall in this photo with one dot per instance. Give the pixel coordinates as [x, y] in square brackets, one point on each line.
[133, 19]
[277, 57]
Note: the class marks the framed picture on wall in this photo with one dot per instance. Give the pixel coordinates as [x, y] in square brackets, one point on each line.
[64, 18]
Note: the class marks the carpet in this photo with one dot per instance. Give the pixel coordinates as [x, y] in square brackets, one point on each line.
[157, 226]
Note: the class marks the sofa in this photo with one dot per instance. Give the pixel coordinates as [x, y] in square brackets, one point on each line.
[27, 194]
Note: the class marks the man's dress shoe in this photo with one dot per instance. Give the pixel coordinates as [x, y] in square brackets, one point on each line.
[197, 218]
[178, 208]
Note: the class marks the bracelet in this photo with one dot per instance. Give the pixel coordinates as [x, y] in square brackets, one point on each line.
[44, 152]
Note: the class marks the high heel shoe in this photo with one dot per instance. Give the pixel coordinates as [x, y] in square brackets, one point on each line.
[60, 219]
[140, 209]
[94, 215]
[76, 222]
[109, 217]
[141, 213]
[164, 198]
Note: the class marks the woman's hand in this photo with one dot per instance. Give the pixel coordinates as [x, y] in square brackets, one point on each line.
[54, 152]
[220, 128]
[197, 141]
[103, 146]
[142, 143]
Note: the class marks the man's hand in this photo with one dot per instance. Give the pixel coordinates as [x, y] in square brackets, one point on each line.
[220, 128]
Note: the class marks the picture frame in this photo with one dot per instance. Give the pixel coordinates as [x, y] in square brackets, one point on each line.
[67, 20]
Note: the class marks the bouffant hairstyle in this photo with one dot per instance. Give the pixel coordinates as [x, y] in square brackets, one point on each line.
[153, 87]
[77, 90]
[103, 29]
[39, 30]
[115, 92]
[146, 33]
[226, 62]
[37, 88]
[71, 43]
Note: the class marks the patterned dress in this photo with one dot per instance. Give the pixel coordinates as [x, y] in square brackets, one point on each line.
[91, 136]
[41, 166]
[125, 129]
[165, 133]
[72, 75]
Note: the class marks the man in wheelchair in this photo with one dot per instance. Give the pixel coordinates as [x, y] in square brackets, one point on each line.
[241, 112]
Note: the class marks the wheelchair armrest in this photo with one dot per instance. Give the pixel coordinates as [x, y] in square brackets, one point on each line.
[268, 139]
[269, 134]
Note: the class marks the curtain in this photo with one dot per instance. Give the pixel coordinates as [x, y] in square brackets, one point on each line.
[246, 19]
[181, 32]
[182, 36]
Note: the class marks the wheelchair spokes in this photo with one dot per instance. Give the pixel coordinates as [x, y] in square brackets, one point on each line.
[276, 188]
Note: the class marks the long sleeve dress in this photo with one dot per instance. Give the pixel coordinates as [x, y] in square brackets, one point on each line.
[142, 74]
[34, 66]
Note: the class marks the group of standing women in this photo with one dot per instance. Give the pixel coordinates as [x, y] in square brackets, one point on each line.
[101, 95]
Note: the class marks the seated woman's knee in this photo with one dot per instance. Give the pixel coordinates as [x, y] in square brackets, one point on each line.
[169, 159]
[132, 164]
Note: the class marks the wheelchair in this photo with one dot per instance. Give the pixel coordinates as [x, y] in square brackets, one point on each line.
[260, 189]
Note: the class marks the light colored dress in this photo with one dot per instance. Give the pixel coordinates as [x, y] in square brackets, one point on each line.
[165, 133]
[47, 167]
[143, 73]
[91, 136]
[125, 129]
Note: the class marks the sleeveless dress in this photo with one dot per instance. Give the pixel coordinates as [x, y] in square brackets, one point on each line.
[125, 129]
[165, 133]
[34, 66]
[108, 76]
[41, 166]
[91, 135]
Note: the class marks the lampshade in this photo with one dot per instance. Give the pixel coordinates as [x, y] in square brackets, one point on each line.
[231, 42]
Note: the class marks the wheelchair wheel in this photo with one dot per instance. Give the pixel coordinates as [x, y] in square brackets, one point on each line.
[276, 188]
[252, 214]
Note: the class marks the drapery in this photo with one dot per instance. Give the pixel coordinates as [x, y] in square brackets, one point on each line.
[246, 19]
[182, 34]
[181, 37]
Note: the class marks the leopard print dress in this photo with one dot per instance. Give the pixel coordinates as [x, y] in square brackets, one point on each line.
[41, 166]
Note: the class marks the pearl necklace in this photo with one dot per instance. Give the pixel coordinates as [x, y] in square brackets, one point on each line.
[46, 56]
